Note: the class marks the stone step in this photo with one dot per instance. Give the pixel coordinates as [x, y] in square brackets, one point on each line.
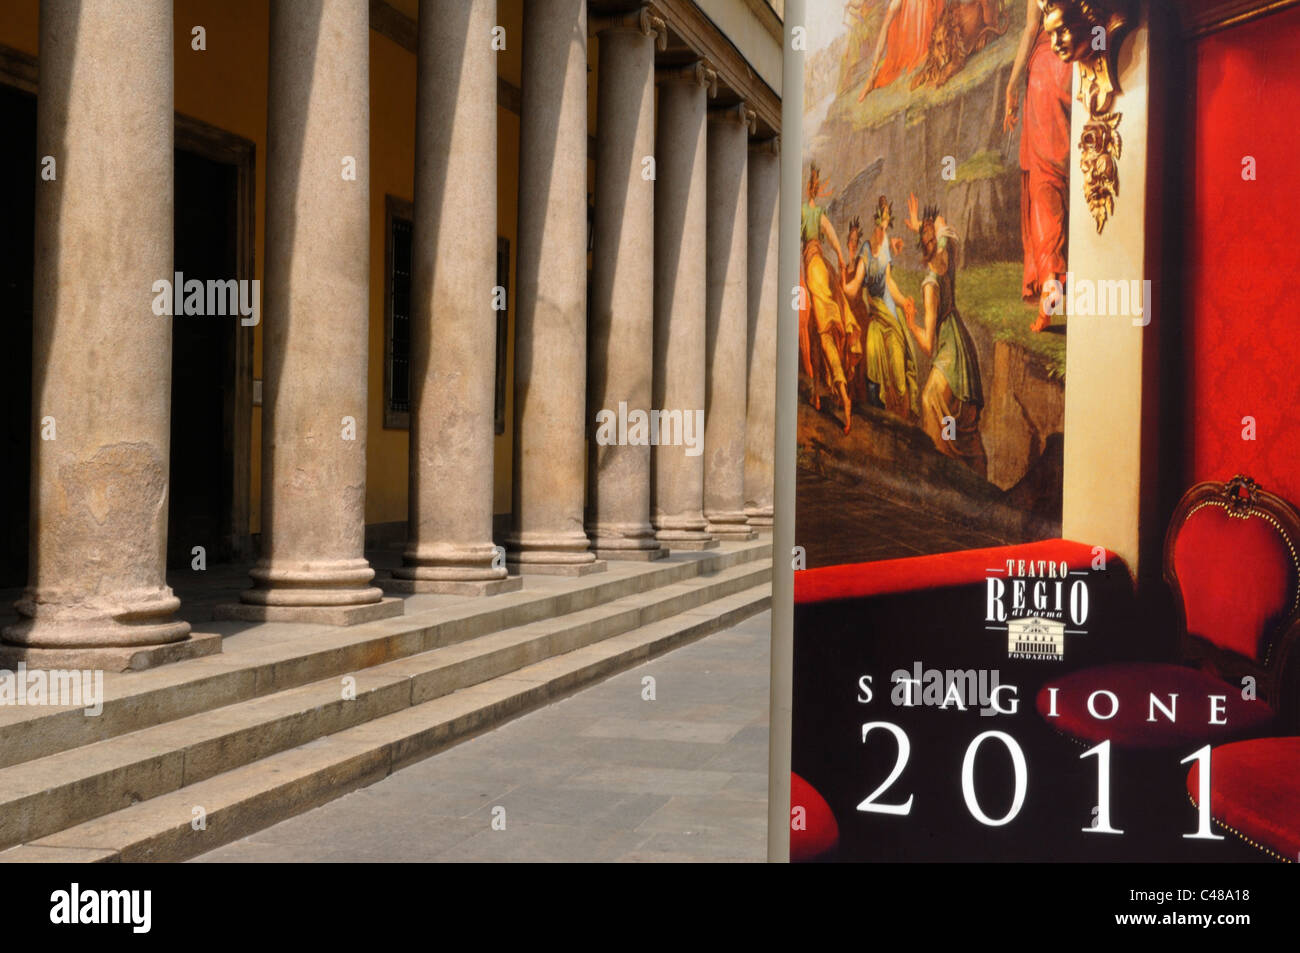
[46, 795]
[287, 656]
[238, 802]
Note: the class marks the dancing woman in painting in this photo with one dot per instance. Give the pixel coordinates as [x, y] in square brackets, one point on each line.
[824, 329]
[869, 284]
[953, 395]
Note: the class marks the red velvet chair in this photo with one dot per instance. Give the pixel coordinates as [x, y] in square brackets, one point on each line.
[1232, 560]
[820, 834]
[1255, 793]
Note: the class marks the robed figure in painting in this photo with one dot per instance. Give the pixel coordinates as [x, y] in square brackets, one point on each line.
[954, 393]
[869, 286]
[1044, 159]
[828, 332]
[903, 42]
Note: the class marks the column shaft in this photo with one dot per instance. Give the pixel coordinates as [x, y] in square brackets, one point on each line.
[763, 297]
[680, 294]
[101, 396]
[313, 565]
[551, 321]
[621, 361]
[726, 314]
[453, 326]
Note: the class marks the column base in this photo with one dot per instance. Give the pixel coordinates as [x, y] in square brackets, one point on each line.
[635, 541]
[687, 540]
[326, 593]
[538, 568]
[49, 619]
[124, 658]
[731, 526]
[385, 608]
[454, 587]
[694, 545]
[551, 554]
[686, 533]
[635, 555]
[759, 516]
[458, 562]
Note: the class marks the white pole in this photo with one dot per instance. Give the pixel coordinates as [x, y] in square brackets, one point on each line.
[787, 399]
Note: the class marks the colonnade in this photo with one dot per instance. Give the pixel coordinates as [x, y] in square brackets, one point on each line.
[680, 325]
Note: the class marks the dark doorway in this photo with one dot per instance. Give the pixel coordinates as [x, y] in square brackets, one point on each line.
[204, 457]
[203, 366]
[18, 171]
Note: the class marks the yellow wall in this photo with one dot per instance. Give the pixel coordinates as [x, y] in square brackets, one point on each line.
[392, 172]
[18, 27]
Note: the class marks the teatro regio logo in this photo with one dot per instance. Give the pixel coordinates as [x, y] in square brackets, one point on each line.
[1037, 604]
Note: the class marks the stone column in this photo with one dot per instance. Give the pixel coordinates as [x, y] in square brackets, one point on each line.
[726, 316]
[551, 318]
[621, 362]
[681, 290]
[763, 296]
[97, 593]
[453, 326]
[317, 313]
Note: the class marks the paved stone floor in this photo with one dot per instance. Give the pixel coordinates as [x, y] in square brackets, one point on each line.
[602, 775]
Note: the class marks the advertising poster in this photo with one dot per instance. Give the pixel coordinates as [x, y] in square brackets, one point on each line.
[1046, 563]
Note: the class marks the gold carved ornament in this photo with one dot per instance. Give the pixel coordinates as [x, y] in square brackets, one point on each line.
[1089, 32]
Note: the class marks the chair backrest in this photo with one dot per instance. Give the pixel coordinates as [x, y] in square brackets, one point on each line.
[1232, 558]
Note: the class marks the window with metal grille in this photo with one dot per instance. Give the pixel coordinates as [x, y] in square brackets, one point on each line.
[503, 327]
[399, 234]
[397, 314]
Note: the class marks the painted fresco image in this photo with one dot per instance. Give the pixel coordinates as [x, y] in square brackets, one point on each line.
[934, 241]
[952, 640]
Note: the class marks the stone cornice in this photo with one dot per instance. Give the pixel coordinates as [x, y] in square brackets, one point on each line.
[685, 19]
[699, 32]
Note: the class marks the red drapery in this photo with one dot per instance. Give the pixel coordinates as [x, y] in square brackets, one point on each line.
[1245, 259]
